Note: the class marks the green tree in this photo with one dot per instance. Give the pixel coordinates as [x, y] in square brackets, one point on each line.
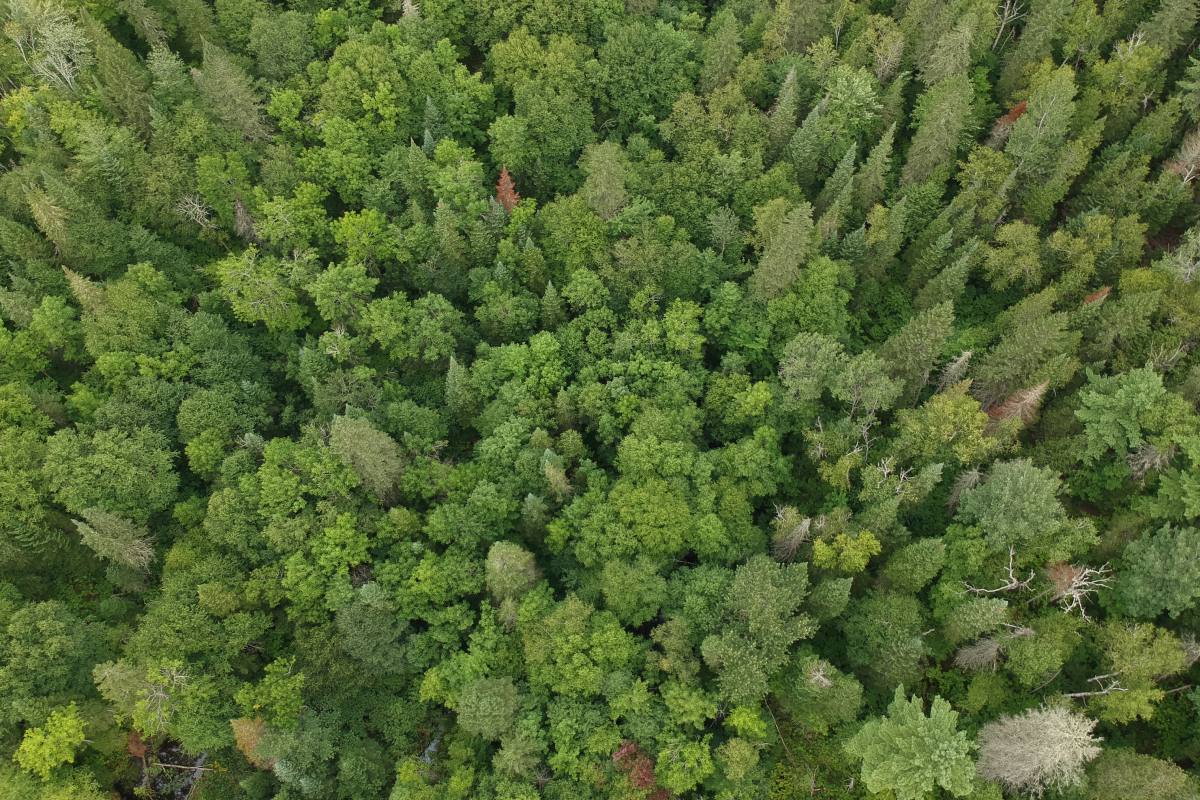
[763, 604]
[1159, 574]
[115, 539]
[1121, 774]
[49, 746]
[911, 754]
[910, 354]
[128, 474]
[373, 455]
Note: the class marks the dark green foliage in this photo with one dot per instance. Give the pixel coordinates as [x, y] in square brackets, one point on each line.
[614, 399]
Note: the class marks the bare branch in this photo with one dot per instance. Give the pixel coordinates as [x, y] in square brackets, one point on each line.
[1014, 584]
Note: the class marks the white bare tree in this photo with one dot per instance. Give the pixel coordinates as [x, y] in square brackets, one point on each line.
[1072, 585]
[1042, 749]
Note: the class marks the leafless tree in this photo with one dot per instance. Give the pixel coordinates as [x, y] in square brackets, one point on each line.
[1074, 584]
[979, 656]
[815, 675]
[1186, 163]
[968, 479]
[1107, 683]
[1009, 12]
[1045, 748]
[792, 529]
[192, 208]
[1022, 404]
[954, 370]
[1013, 583]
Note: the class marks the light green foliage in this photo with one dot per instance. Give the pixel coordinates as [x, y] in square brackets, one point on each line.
[1121, 774]
[115, 539]
[1138, 655]
[883, 639]
[909, 753]
[1015, 259]
[571, 648]
[45, 748]
[1117, 411]
[278, 696]
[511, 570]
[909, 354]
[128, 474]
[914, 565]
[817, 695]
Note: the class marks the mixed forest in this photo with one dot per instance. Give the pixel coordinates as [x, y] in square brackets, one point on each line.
[599, 399]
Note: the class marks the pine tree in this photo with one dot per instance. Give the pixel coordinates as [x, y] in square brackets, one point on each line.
[1172, 24]
[781, 123]
[787, 244]
[553, 310]
[606, 168]
[124, 82]
[870, 182]
[229, 93]
[721, 52]
[943, 117]
[836, 184]
[115, 539]
[506, 191]
[910, 353]
[459, 397]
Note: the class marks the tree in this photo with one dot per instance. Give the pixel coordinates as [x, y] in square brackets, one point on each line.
[487, 707]
[763, 604]
[943, 118]
[1017, 507]
[606, 169]
[281, 43]
[127, 474]
[1136, 657]
[1117, 411]
[511, 571]
[115, 539]
[910, 353]
[913, 566]
[643, 69]
[229, 93]
[45, 748]
[49, 41]
[372, 629]
[786, 240]
[818, 695]
[911, 754]
[883, 639]
[1121, 774]
[1159, 573]
[1016, 258]
[372, 454]
[1043, 749]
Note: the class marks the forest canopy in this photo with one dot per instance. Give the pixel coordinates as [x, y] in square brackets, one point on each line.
[599, 399]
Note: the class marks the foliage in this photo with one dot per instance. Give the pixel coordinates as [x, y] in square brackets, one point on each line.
[519, 399]
[909, 753]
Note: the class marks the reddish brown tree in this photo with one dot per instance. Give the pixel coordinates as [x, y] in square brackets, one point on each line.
[506, 191]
